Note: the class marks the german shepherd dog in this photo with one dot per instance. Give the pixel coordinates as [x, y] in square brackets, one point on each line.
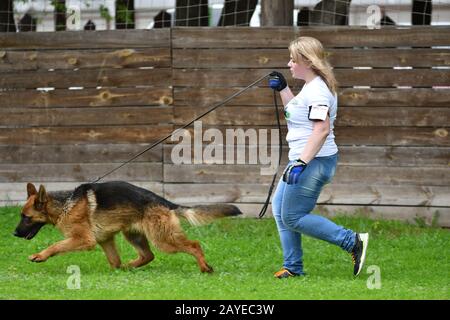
[95, 213]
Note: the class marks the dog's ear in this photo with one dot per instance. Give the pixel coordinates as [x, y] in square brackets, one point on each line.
[31, 189]
[42, 195]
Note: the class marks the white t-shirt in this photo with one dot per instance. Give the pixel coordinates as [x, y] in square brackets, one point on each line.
[300, 127]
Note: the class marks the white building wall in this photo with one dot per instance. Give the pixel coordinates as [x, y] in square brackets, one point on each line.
[79, 12]
[146, 10]
[42, 10]
[90, 10]
[397, 10]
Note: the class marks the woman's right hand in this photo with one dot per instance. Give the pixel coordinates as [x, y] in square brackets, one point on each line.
[277, 81]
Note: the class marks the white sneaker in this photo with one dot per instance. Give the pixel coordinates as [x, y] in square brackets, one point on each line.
[359, 252]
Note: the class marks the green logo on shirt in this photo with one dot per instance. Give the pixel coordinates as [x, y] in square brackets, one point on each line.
[287, 114]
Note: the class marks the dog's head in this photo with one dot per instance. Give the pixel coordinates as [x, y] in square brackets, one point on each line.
[34, 213]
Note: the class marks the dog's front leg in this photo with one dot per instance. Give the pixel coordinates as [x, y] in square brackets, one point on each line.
[67, 245]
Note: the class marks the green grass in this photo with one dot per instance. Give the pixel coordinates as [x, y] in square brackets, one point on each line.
[414, 264]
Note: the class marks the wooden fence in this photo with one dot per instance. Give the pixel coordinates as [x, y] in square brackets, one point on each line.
[115, 92]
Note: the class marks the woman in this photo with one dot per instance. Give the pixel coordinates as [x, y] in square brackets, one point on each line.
[313, 156]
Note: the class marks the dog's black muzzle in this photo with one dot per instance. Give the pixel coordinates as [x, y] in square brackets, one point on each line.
[27, 229]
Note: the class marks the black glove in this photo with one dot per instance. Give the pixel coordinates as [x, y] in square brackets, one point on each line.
[277, 81]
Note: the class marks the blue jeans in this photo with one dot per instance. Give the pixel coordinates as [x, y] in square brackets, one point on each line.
[292, 206]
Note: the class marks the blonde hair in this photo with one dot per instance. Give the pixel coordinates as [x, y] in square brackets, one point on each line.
[311, 50]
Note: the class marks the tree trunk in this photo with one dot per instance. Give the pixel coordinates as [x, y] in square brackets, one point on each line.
[60, 15]
[330, 13]
[237, 13]
[191, 13]
[303, 16]
[277, 13]
[125, 14]
[7, 16]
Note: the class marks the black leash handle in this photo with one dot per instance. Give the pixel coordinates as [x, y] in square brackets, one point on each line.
[266, 204]
[188, 124]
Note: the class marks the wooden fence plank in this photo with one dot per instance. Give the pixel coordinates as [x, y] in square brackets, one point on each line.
[417, 97]
[394, 156]
[357, 175]
[332, 36]
[229, 115]
[439, 216]
[57, 172]
[79, 153]
[331, 194]
[420, 196]
[111, 97]
[348, 155]
[345, 77]
[352, 136]
[402, 213]
[348, 97]
[393, 77]
[160, 77]
[84, 59]
[278, 58]
[207, 97]
[392, 136]
[219, 78]
[17, 191]
[55, 117]
[347, 116]
[401, 117]
[83, 135]
[383, 58]
[155, 38]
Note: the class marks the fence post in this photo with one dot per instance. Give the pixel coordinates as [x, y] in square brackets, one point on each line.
[277, 13]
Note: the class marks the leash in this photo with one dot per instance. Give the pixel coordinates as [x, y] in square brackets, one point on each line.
[266, 204]
[188, 124]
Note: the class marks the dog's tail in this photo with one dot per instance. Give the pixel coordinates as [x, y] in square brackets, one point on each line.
[204, 214]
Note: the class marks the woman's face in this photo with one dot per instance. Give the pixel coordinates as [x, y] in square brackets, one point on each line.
[298, 68]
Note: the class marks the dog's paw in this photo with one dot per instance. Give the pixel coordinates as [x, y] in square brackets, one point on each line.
[37, 258]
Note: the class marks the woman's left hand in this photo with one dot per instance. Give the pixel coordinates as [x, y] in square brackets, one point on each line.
[291, 174]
